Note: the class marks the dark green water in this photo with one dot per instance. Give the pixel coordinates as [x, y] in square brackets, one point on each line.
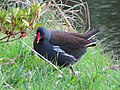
[106, 15]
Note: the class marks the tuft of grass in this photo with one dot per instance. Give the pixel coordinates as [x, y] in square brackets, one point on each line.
[21, 70]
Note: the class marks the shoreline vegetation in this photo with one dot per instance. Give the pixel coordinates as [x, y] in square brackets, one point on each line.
[21, 69]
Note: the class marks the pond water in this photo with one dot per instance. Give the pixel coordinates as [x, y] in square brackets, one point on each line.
[106, 15]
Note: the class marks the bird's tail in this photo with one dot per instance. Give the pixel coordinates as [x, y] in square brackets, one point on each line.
[90, 34]
[91, 44]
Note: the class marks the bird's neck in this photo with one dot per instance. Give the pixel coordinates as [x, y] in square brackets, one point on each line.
[48, 35]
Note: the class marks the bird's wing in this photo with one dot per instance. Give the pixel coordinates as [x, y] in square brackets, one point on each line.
[67, 40]
[63, 57]
[59, 50]
[76, 34]
[89, 34]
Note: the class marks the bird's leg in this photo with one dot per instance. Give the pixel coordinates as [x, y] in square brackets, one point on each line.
[73, 71]
[76, 74]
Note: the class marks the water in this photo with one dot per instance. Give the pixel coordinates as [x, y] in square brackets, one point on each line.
[106, 15]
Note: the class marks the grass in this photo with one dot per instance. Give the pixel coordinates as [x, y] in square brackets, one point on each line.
[21, 70]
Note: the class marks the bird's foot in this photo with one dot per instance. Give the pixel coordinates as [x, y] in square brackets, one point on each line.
[73, 72]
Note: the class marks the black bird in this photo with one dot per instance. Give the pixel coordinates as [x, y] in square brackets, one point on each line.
[52, 53]
[63, 48]
[72, 43]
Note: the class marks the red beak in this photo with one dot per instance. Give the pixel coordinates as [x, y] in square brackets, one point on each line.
[38, 37]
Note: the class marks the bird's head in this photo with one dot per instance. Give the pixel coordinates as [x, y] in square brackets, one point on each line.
[42, 33]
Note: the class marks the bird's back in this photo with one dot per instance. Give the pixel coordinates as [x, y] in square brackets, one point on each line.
[73, 43]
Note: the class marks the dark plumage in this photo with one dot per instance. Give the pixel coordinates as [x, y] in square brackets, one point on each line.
[63, 47]
[53, 53]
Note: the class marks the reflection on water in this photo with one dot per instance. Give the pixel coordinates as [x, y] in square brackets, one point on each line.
[106, 15]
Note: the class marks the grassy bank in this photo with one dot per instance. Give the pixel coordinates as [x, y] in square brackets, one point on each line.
[20, 70]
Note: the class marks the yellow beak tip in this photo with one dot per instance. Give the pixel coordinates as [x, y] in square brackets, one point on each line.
[37, 42]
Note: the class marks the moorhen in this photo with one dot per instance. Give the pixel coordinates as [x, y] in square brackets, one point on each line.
[63, 48]
[51, 52]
